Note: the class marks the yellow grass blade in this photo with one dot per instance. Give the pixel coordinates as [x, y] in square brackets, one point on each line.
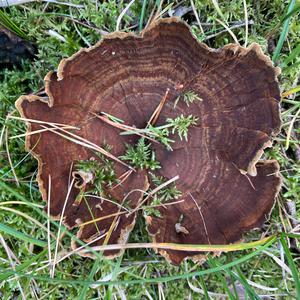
[187, 247]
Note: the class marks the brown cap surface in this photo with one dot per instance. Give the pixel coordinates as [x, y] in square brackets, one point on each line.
[226, 191]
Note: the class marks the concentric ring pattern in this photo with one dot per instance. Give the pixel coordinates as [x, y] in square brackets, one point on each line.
[226, 188]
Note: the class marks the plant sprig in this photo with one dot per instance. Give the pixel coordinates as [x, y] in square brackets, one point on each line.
[189, 97]
[102, 171]
[153, 211]
[179, 125]
[141, 156]
[167, 193]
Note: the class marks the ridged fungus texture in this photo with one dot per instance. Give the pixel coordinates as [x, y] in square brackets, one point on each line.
[226, 187]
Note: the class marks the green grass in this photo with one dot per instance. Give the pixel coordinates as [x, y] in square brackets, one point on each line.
[141, 273]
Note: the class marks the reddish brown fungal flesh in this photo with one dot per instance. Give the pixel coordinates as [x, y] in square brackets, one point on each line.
[226, 190]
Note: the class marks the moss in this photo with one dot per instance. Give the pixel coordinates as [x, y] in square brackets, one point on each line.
[36, 19]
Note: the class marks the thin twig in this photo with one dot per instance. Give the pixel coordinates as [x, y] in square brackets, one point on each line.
[208, 37]
[155, 191]
[81, 247]
[229, 31]
[12, 264]
[48, 221]
[124, 212]
[36, 131]
[244, 174]
[85, 24]
[246, 23]
[85, 143]
[108, 200]
[122, 178]
[59, 229]
[158, 109]
[197, 16]
[124, 127]
[78, 31]
[40, 122]
[9, 158]
[122, 14]
[67, 255]
[7, 3]
[289, 132]
[202, 218]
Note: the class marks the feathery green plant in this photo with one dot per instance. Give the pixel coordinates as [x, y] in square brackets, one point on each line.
[189, 97]
[141, 156]
[101, 170]
[180, 126]
[167, 193]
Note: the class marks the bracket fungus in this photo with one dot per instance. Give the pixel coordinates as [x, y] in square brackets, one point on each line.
[141, 82]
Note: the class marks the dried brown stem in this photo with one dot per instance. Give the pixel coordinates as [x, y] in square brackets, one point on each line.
[159, 108]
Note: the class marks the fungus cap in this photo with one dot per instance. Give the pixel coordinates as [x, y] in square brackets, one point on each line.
[227, 189]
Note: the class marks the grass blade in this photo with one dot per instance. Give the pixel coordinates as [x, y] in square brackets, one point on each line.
[295, 52]
[19, 235]
[291, 91]
[9, 24]
[24, 265]
[284, 32]
[141, 21]
[217, 7]
[291, 264]
[211, 262]
[294, 11]
[186, 247]
[152, 280]
[289, 131]
[113, 277]
[242, 279]
[203, 285]
[43, 214]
